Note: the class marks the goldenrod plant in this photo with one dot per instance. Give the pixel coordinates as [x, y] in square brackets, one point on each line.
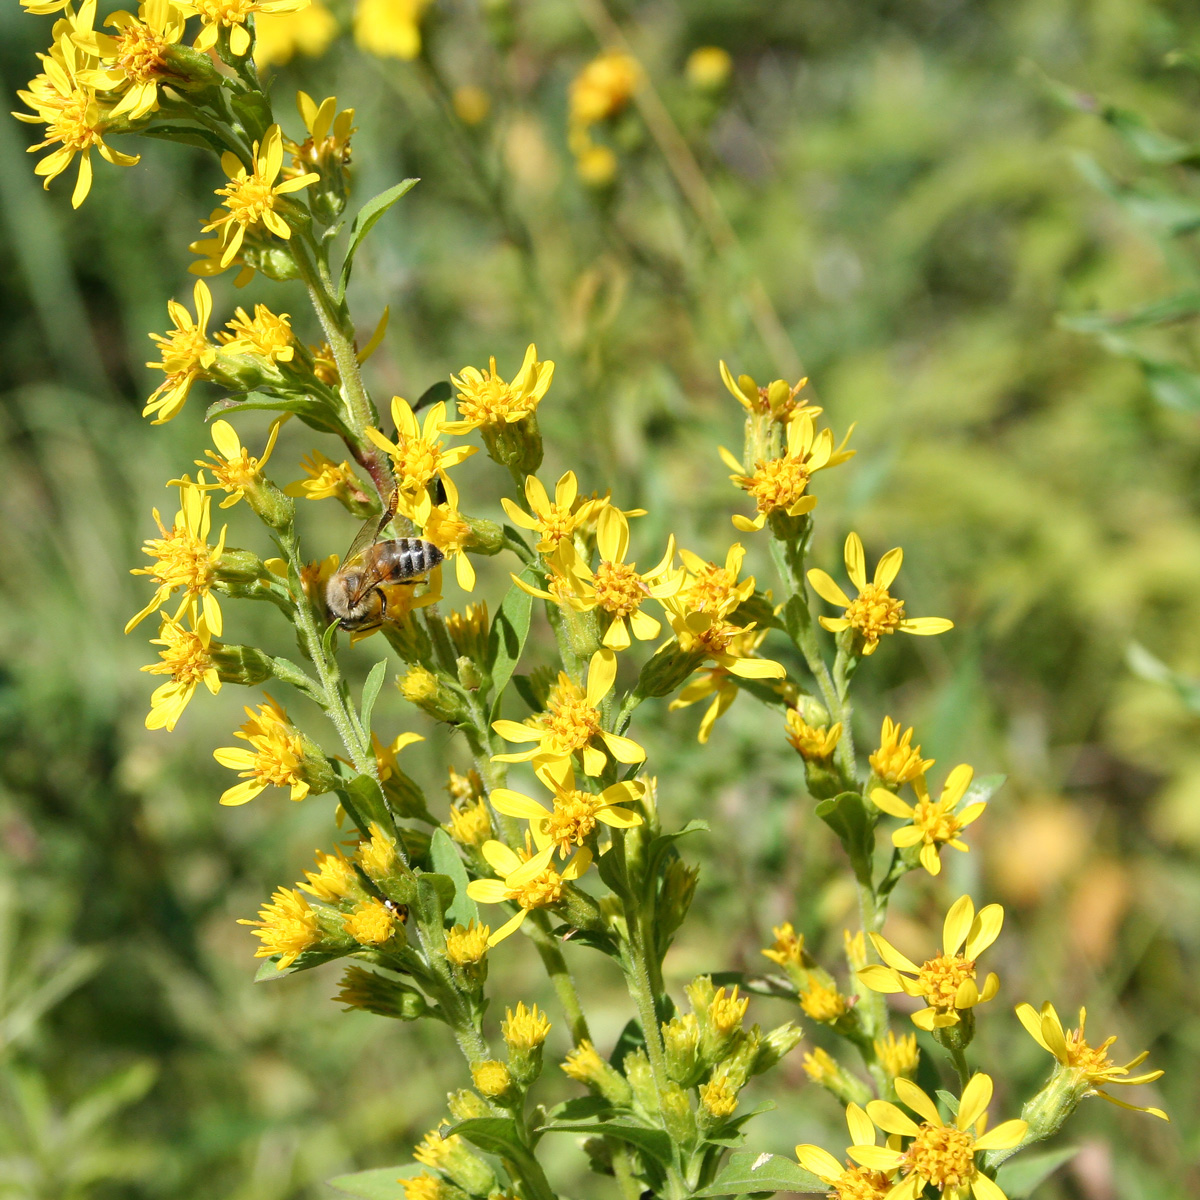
[580, 851]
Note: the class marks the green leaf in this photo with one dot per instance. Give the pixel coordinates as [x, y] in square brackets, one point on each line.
[314, 411]
[365, 221]
[370, 692]
[747, 1171]
[381, 1183]
[269, 969]
[435, 393]
[498, 1135]
[983, 787]
[253, 110]
[445, 858]
[1159, 312]
[366, 801]
[846, 814]
[187, 135]
[288, 672]
[796, 618]
[435, 893]
[580, 1108]
[1144, 664]
[507, 637]
[1018, 1178]
[1173, 386]
[653, 1142]
[759, 985]
[1150, 144]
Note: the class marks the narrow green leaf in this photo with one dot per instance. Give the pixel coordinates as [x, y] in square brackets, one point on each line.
[314, 411]
[507, 637]
[847, 816]
[435, 393]
[288, 672]
[253, 110]
[187, 135]
[747, 1171]
[370, 692]
[381, 1183]
[269, 969]
[759, 985]
[366, 797]
[983, 787]
[446, 861]
[365, 221]
[661, 844]
[653, 1142]
[1018, 1177]
[1159, 312]
[435, 895]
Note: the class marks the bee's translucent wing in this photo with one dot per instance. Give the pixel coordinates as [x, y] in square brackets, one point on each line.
[369, 533]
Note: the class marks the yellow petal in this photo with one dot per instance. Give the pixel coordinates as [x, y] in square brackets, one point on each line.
[891, 804]
[984, 930]
[976, 1096]
[890, 1119]
[888, 568]
[958, 924]
[824, 586]
[1006, 1134]
[918, 1101]
[513, 804]
[984, 1188]
[926, 626]
[856, 561]
[602, 671]
[820, 1162]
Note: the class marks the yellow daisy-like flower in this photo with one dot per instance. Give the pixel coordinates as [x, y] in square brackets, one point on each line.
[898, 1055]
[419, 457]
[390, 28]
[485, 399]
[132, 60]
[874, 612]
[778, 400]
[822, 1002]
[781, 484]
[847, 1182]
[327, 145]
[251, 196]
[575, 814]
[448, 530]
[187, 657]
[718, 682]
[186, 354]
[212, 255]
[946, 983]
[932, 824]
[814, 744]
[287, 926]
[526, 880]
[553, 522]
[897, 760]
[1089, 1064]
[264, 335]
[939, 1155]
[275, 758]
[571, 724]
[371, 923]
[326, 480]
[234, 468]
[75, 120]
[232, 15]
[603, 87]
[615, 587]
[184, 561]
[710, 588]
[334, 880]
[278, 37]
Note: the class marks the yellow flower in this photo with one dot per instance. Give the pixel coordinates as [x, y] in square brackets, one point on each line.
[821, 1067]
[448, 530]
[524, 1029]
[231, 14]
[186, 355]
[718, 682]
[390, 28]
[184, 561]
[251, 196]
[812, 744]
[573, 818]
[327, 479]
[525, 880]
[777, 400]
[212, 255]
[874, 612]
[187, 658]
[946, 983]
[596, 166]
[571, 724]
[718, 1097]
[334, 879]
[940, 1155]
[708, 67]
[133, 59]
[471, 104]
[603, 87]
[279, 36]
[386, 756]
[932, 824]
[788, 949]
[275, 758]
[1089, 1064]
[75, 120]
[287, 927]
[485, 399]
[470, 822]
[898, 1055]
[234, 468]
[847, 1182]
[897, 761]
[781, 484]
[419, 458]
[492, 1077]
[710, 634]
[552, 522]
[467, 945]
[710, 588]
[377, 854]
[264, 335]
[822, 1002]
[371, 923]
[327, 145]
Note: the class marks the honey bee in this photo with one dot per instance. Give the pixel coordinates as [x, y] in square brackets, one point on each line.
[357, 592]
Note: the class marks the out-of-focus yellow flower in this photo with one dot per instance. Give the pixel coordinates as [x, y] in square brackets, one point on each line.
[596, 165]
[526, 880]
[603, 88]
[390, 28]
[932, 824]
[251, 196]
[848, 1182]
[184, 561]
[946, 983]
[571, 724]
[485, 399]
[275, 758]
[874, 612]
[419, 457]
[788, 948]
[231, 15]
[708, 68]
[233, 466]
[812, 744]
[898, 1055]
[185, 355]
[280, 36]
[939, 1154]
[552, 522]
[187, 657]
[471, 104]
[897, 760]
[287, 926]
[575, 814]
[1089, 1064]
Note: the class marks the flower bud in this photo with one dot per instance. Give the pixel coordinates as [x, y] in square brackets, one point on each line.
[470, 824]
[239, 566]
[524, 1032]
[273, 260]
[493, 1079]
[431, 695]
[466, 952]
[453, 1157]
[718, 1100]
[959, 1035]
[468, 674]
[270, 505]
[189, 69]
[377, 994]
[783, 1039]
[681, 1040]
[677, 1116]
[585, 1066]
[486, 537]
[599, 1154]
[678, 890]
[821, 1068]
[518, 444]
[667, 670]
[641, 1080]
[468, 631]
[899, 1057]
[241, 664]
[464, 1105]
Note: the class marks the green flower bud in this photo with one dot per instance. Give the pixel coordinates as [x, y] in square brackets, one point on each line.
[465, 1105]
[667, 670]
[242, 664]
[239, 566]
[641, 1080]
[585, 1066]
[431, 695]
[681, 1039]
[377, 994]
[677, 1116]
[783, 1039]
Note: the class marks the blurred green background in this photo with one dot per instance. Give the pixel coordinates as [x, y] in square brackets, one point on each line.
[918, 211]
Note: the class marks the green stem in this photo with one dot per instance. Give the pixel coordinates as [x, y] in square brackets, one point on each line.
[959, 1059]
[560, 976]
